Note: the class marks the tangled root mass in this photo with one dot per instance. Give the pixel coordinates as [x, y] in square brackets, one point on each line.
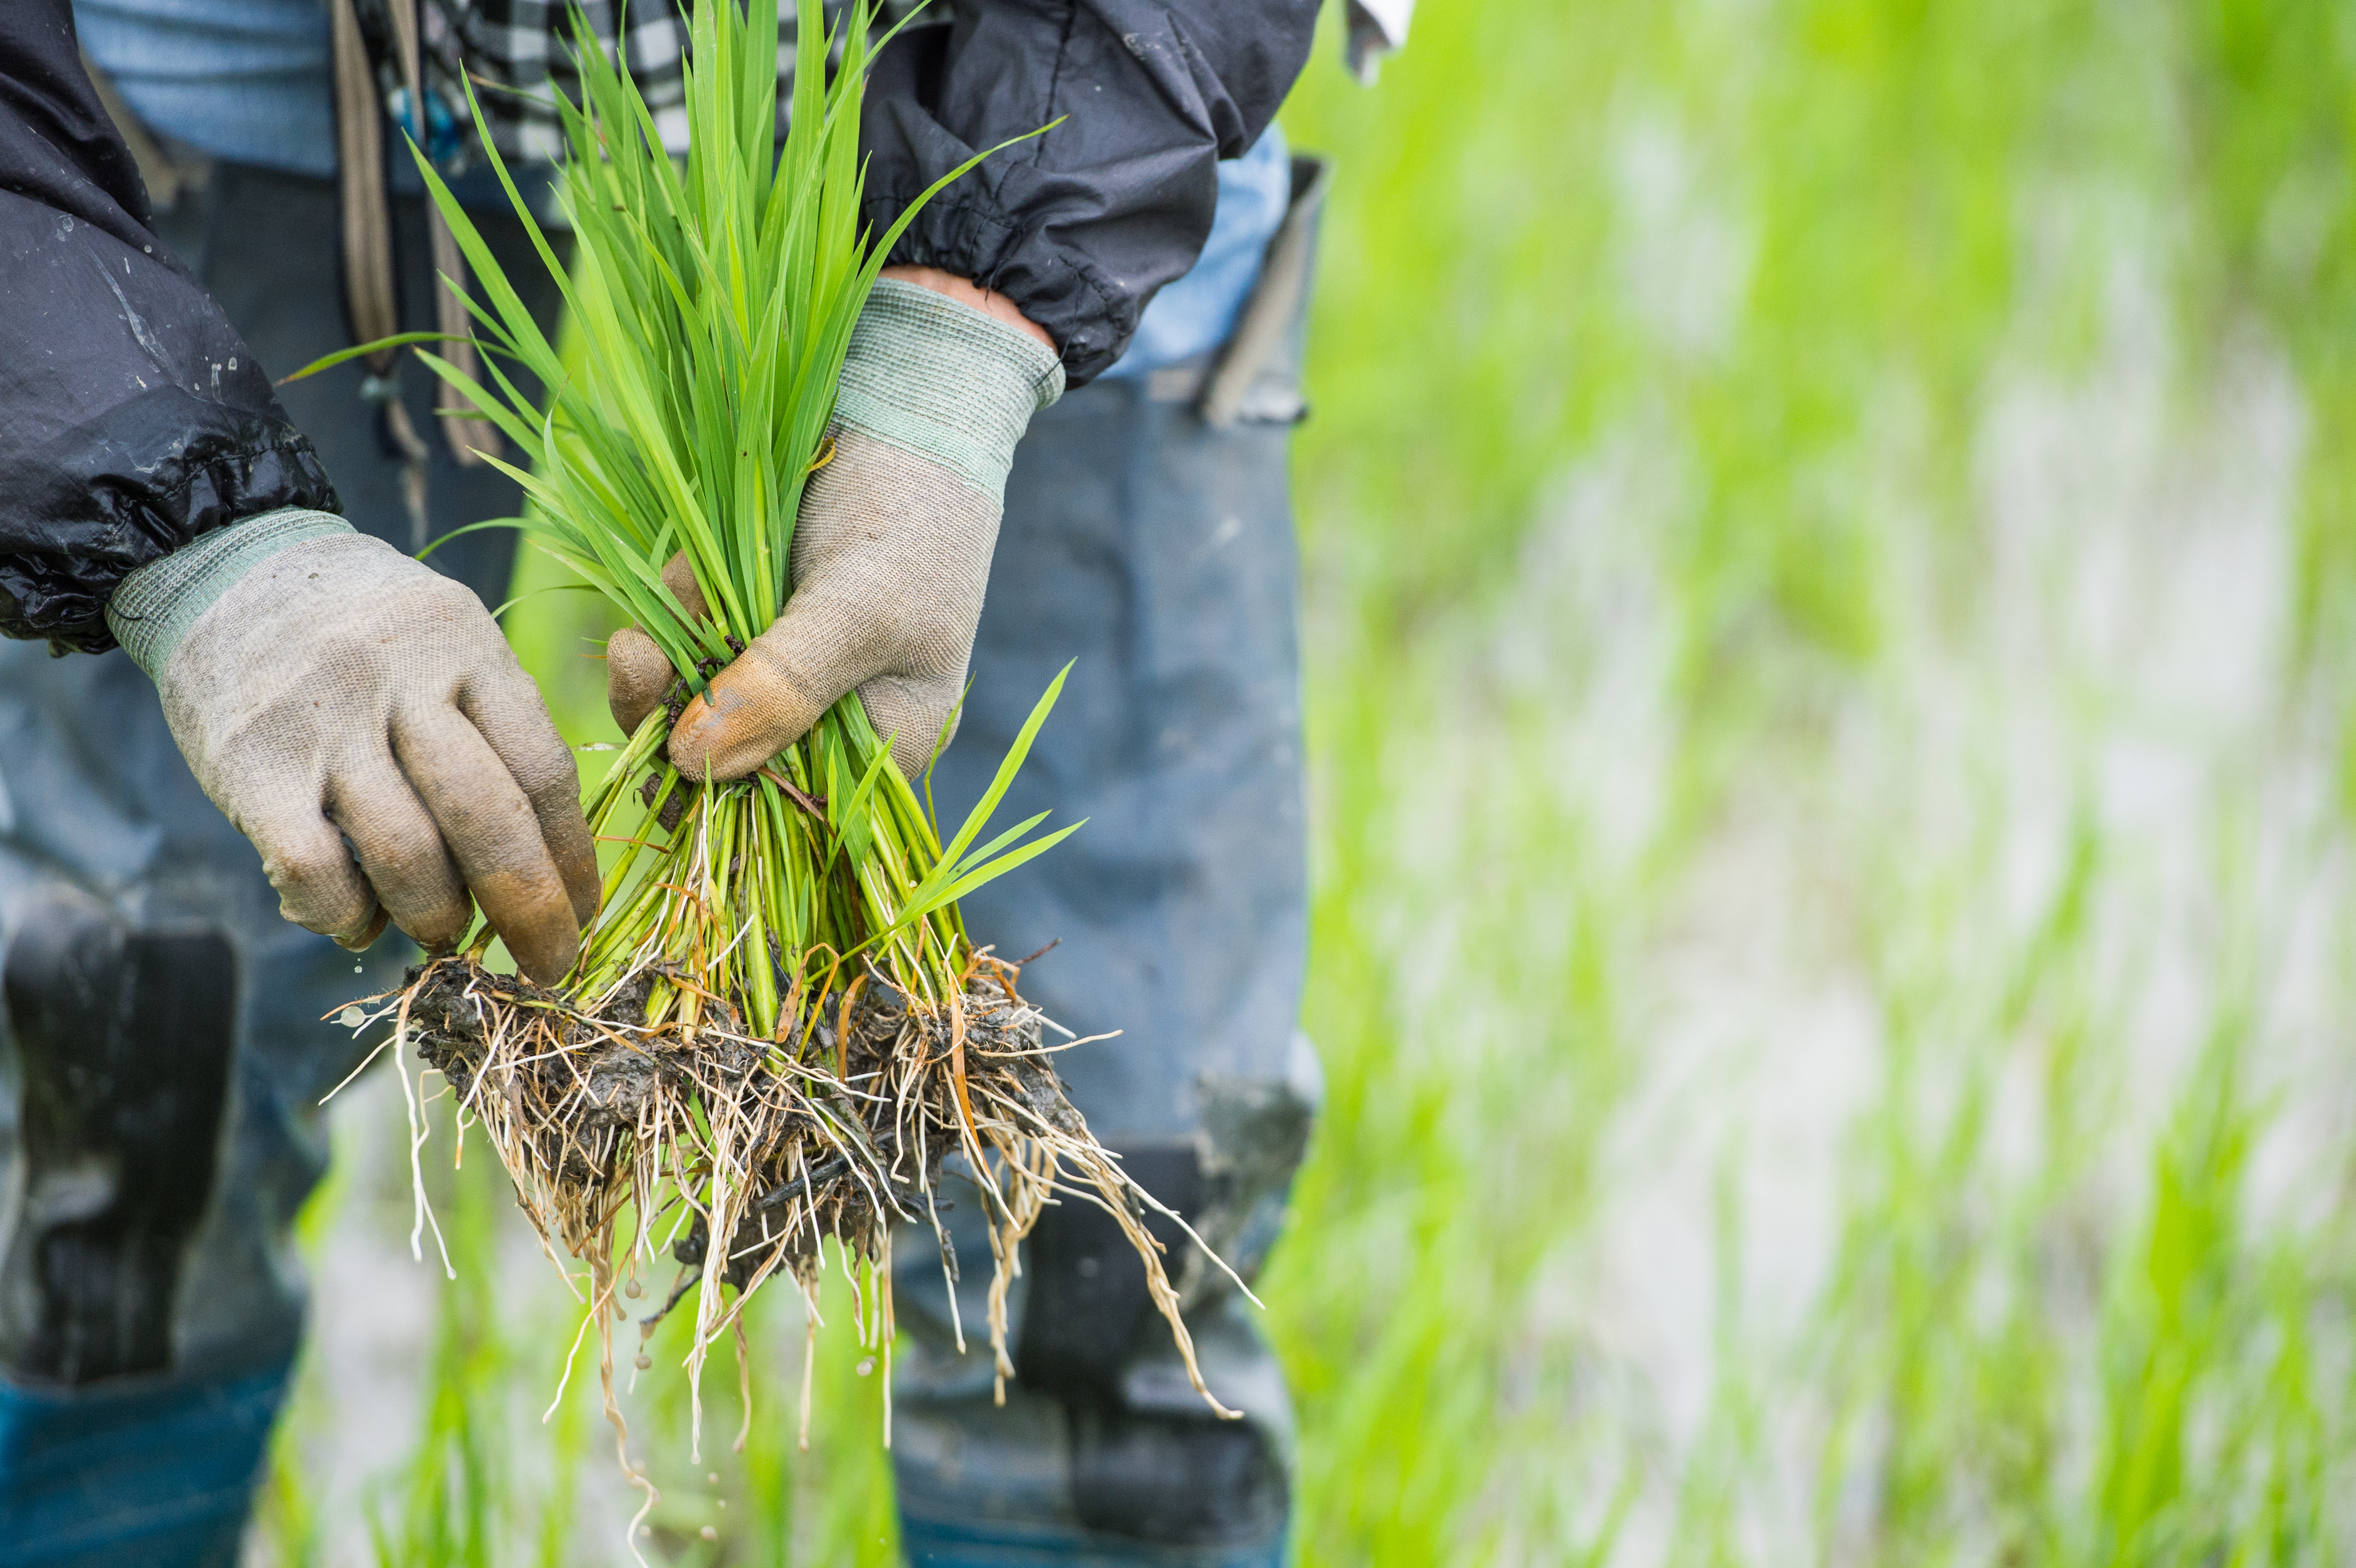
[632, 1145]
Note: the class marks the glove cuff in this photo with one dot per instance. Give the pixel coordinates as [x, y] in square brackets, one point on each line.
[943, 381]
[153, 608]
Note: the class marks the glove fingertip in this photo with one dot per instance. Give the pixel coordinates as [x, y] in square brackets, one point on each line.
[921, 719]
[367, 934]
[710, 741]
[637, 673]
[679, 577]
[545, 956]
[581, 884]
[912, 758]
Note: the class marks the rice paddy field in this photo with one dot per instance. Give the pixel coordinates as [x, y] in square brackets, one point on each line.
[1831, 544]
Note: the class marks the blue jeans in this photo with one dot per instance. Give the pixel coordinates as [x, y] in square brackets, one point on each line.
[161, 1053]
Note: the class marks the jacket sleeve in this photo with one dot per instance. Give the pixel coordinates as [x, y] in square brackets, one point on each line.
[132, 419]
[1081, 226]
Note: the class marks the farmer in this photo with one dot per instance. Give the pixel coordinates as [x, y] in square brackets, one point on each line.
[228, 571]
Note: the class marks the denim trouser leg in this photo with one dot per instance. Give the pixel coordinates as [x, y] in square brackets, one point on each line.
[1158, 553]
[161, 1050]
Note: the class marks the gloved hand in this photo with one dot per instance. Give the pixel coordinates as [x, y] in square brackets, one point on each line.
[325, 689]
[891, 549]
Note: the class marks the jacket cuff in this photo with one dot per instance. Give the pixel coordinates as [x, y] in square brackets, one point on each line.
[970, 235]
[156, 606]
[98, 520]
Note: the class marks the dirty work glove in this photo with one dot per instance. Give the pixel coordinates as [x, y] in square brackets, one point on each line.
[891, 551]
[329, 691]
[638, 676]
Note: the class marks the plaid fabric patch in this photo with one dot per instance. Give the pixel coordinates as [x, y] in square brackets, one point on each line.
[519, 54]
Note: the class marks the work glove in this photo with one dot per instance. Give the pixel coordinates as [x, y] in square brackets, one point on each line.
[891, 549]
[361, 719]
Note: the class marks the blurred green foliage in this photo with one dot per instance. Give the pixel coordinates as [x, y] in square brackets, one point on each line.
[1789, 250]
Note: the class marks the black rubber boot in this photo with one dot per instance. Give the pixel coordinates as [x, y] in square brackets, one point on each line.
[1174, 1473]
[123, 1041]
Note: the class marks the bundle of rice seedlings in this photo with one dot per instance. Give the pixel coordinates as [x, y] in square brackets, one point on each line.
[777, 1029]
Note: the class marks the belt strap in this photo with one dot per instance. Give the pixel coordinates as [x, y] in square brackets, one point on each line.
[1270, 316]
[372, 292]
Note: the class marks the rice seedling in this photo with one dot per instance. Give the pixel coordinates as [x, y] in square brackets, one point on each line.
[779, 1030]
